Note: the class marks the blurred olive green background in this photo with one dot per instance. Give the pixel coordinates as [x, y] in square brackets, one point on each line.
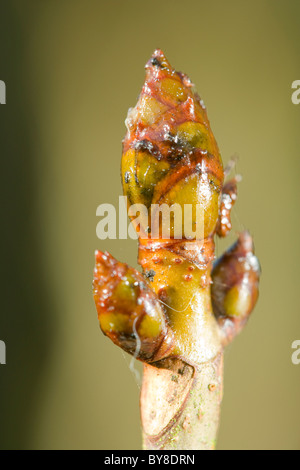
[72, 69]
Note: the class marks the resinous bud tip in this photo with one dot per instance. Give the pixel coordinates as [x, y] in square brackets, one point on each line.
[158, 60]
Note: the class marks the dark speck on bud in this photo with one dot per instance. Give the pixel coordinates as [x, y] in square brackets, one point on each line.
[155, 62]
[150, 274]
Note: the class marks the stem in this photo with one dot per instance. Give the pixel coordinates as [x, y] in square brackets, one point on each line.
[181, 411]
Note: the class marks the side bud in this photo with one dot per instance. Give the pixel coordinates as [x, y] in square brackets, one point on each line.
[234, 290]
[129, 312]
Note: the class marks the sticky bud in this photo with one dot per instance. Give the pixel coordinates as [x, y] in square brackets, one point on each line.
[170, 156]
[129, 312]
[234, 289]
